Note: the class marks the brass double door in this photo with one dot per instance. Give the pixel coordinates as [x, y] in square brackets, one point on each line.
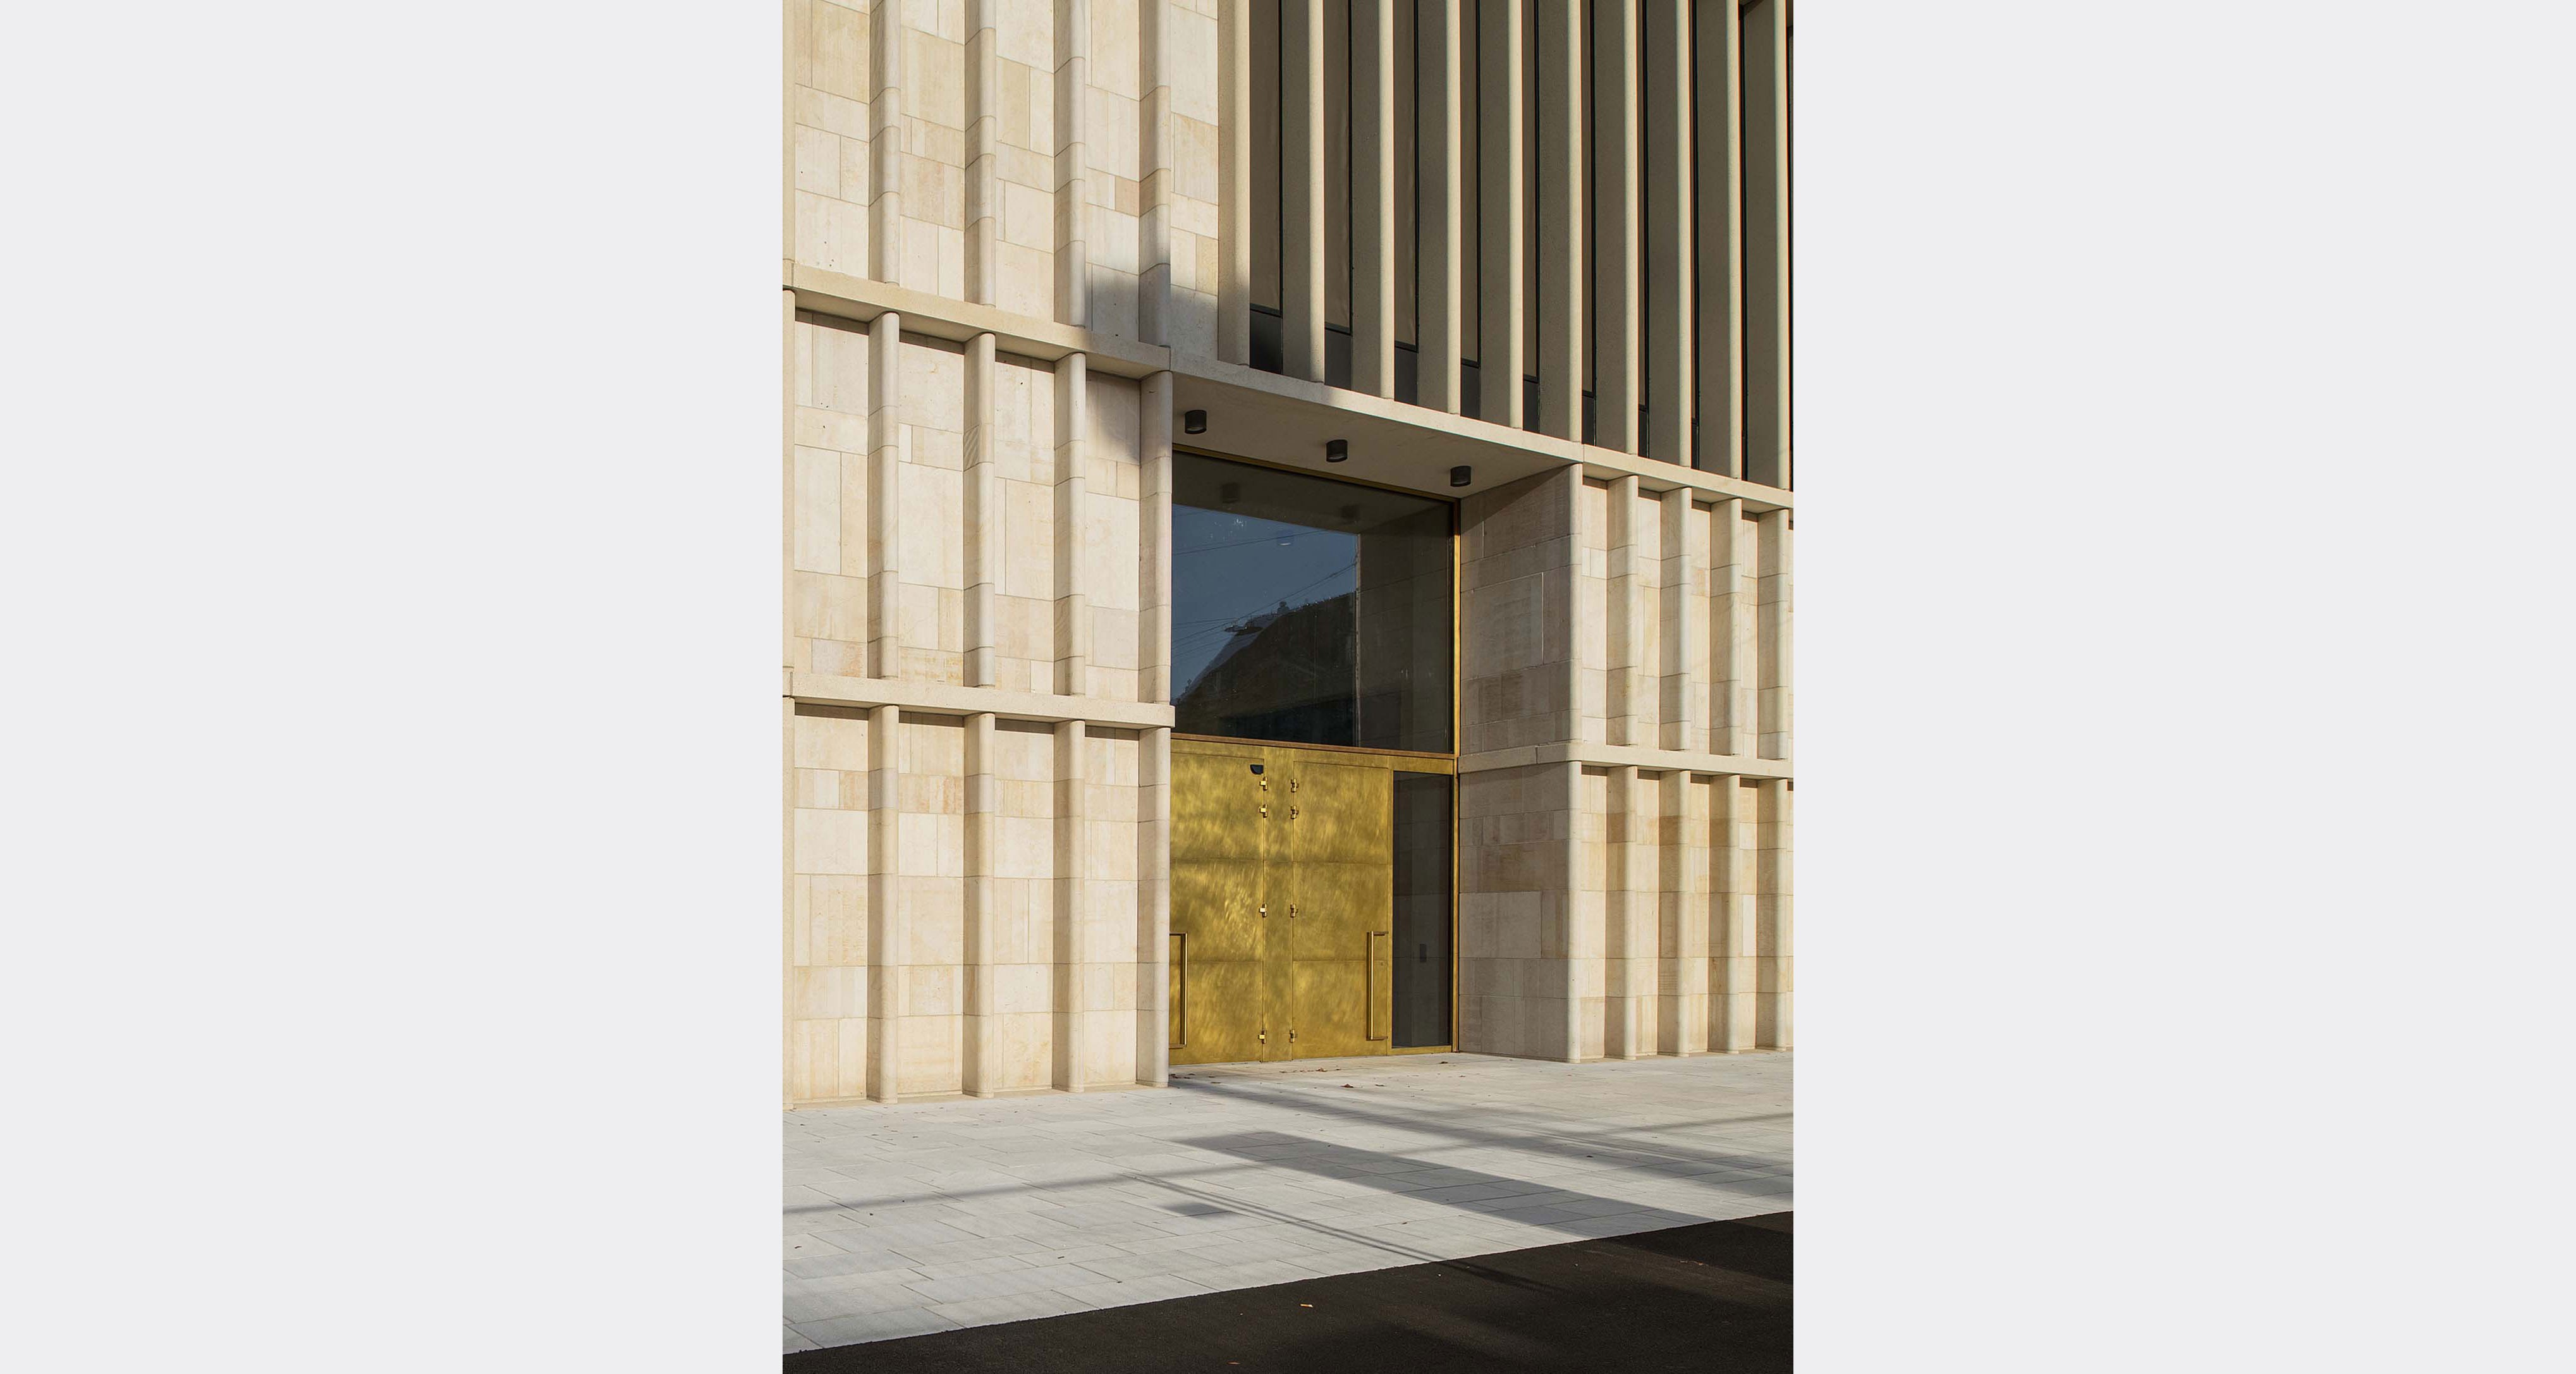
[1282, 898]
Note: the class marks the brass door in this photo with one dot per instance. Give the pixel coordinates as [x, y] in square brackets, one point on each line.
[1340, 881]
[1220, 927]
[1282, 890]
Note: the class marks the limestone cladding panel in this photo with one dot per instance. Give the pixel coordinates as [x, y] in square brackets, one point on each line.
[1774, 924]
[1586, 937]
[1592, 614]
[830, 133]
[1516, 589]
[1191, 62]
[931, 530]
[829, 612]
[1725, 688]
[1515, 907]
[1024, 884]
[931, 854]
[1029, 979]
[933, 159]
[1624, 912]
[1111, 811]
[1025, 96]
[985, 991]
[827, 1040]
[1024, 426]
[935, 105]
[1112, 534]
[828, 609]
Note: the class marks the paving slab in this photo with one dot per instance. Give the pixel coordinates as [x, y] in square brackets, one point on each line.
[929, 1216]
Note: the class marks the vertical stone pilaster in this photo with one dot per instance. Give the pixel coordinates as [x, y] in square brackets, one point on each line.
[1072, 602]
[1775, 604]
[796, 26]
[1441, 237]
[983, 151]
[1622, 955]
[1073, 162]
[1732, 1024]
[981, 1072]
[1154, 229]
[1625, 634]
[1681, 918]
[1615, 286]
[1718, 286]
[1072, 941]
[1560, 216]
[885, 495]
[886, 976]
[1666, 327]
[1774, 991]
[1154, 657]
[1154, 908]
[1681, 716]
[984, 531]
[1373, 197]
[1234, 181]
[886, 141]
[796, 1064]
[1503, 190]
[792, 649]
[1560, 944]
[1301, 175]
[1730, 668]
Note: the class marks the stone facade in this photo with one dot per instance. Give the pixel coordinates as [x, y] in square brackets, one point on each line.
[1018, 244]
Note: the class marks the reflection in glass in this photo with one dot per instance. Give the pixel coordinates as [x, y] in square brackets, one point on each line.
[1308, 611]
[1422, 864]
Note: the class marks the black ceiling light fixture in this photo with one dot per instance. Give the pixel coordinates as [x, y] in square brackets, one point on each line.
[1461, 475]
[1335, 450]
[1194, 422]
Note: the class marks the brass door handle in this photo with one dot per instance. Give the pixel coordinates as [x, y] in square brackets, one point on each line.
[1377, 1012]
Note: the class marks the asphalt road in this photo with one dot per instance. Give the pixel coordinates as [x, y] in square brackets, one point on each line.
[1711, 1298]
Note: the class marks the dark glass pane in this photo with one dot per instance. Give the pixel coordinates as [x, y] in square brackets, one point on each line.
[1308, 611]
[1422, 863]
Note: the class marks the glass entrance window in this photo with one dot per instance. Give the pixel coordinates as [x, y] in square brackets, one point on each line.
[1309, 611]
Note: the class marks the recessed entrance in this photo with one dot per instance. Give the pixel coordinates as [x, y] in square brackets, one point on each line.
[1313, 798]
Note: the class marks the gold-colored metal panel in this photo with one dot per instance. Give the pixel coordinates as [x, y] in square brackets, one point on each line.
[1339, 812]
[1381, 1012]
[1218, 903]
[1331, 997]
[1340, 881]
[1220, 834]
[1226, 1001]
[1217, 805]
[1337, 904]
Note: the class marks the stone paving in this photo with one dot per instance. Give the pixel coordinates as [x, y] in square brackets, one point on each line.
[926, 1216]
